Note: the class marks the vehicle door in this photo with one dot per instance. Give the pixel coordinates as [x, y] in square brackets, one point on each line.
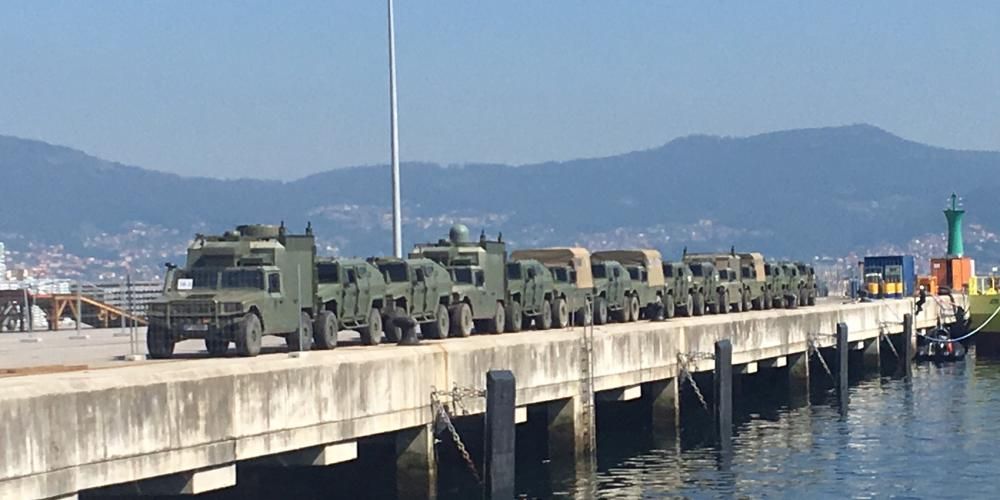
[364, 291]
[276, 318]
[351, 291]
[616, 291]
[419, 304]
[531, 285]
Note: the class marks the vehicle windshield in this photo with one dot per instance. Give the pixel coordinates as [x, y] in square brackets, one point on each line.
[748, 272]
[394, 272]
[513, 271]
[560, 274]
[697, 270]
[599, 271]
[462, 275]
[634, 273]
[328, 272]
[668, 271]
[243, 278]
[197, 278]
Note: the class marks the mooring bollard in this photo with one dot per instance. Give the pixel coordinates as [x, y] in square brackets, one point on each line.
[500, 402]
[843, 351]
[723, 401]
[906, 352]
[408, 327]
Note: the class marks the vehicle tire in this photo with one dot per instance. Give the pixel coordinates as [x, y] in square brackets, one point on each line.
[757, 304]
[738, 305]
[698, 304]
[461, 320]
[791, 301]
[159, 342]
[601, 311]
[633, 309]
[745, 303]
[812, 298]
[722, 302]
[371, 334]
[514, 319]
[544, 320]
[496, 324]
[621, 315]
[560, 313]
[766, 301]
[294, 341]
[585, 315]
[440, 327]
[670, 307]
[803, 297]
[325, 329]
[216, 345]
[249, 335]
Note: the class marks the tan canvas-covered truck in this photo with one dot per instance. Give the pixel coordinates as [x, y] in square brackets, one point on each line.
[645, 268]
[572, 291]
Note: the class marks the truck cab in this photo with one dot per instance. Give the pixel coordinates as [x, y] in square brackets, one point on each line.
[678, 281]
[234, 288]
[645, 270]
[530, 290]
[704, 284]
[418, 288]
[613, 286]
[573, 287]
[808, 287]
[351, 294]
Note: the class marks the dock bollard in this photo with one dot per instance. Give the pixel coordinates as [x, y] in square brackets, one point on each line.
[843, 351]
[500, 435]
[723, 400]
[906, 353]
[408, 327]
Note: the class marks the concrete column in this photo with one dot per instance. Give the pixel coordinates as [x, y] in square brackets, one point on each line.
[798, 378]
[908, 350]
[871, 358]
[500, 441]
[722, 381]
[663, 396]
[566, 433]
[843, 351]
[416, 465]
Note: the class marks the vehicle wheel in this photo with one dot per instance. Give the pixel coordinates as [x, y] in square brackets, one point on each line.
[325, 329]
[441, 325]
[248, 335]
[371, 334]
[159, 342]
[296, 342]
[757, 304]
[738, 305]
[601, 311]
[791, 301]
[513, 317]
[496, 323]
[461, 320]
[633, 309]
[812, 299]
[746, 301]
[544, 321]
[670, 307]
[585, 315]
[722, 303]
[766, 301]
[560, 313]
[803, 297]
[698, 304]
[621, 315]
[216, 345]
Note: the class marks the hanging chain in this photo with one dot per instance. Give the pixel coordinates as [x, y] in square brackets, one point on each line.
[684, 360]
[884, 335]
[814, 348]
[457, 394]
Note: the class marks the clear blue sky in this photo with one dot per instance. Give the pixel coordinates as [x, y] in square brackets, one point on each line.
[284, 89]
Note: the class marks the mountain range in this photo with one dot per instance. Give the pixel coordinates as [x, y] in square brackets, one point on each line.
[795, 193]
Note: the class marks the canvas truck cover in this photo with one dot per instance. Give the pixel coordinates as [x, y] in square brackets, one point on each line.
[756, 259]
[649, 258]
[578, 258]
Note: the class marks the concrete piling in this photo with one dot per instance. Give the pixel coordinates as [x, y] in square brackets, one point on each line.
[500, 442]
[871, 357]
[798, 378]
[907, 347]
[566, 435]
[416, 465]
[663, 396]
[843, 352]
[723, 400]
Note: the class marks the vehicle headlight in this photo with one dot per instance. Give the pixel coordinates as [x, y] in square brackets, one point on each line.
[232, 307]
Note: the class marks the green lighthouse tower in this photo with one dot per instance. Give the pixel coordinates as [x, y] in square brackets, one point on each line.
[954, 216]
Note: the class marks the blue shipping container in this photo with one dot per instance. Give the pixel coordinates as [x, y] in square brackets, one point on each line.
[904, 261]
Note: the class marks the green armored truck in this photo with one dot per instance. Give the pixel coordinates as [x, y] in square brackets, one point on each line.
[678, 290]
[530, 290]
[754, 278]
[807, 282]
[645, 270]
[731, 293]
[234, 288]
[351, 295]
[417, 288]
[479, 280]
[792, 284]
[615, 294]
[704, 287]
[572, 286]
[777, 284]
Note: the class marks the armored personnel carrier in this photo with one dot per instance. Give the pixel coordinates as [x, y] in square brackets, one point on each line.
[479, 280]
[807, 282]
[645, 270]
[351, 295]
[616, 297]
[256, 280]
[418, 288]
[573, 286]
[732, 292]
[678, 282]
[704, 287]
[530, 290]
[754, 280]
[777, 284]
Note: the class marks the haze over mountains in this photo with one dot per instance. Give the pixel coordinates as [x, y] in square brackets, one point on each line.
[796, 193]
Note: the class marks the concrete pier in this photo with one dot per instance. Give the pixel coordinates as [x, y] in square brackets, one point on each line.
[74, 431]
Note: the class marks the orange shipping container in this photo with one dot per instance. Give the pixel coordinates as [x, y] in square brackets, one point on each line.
[954, 273]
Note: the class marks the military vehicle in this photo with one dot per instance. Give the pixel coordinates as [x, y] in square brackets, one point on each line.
[645, 270]
[573, 286]
[530, 290]
[704, 287]
[678, 290]
[479, 280]
[777, 284]
[807, 279]
[254, 281]
[417, 288]
[793, 283]
[351, 294]
[754, 279]
[730, 292]
[615, 294]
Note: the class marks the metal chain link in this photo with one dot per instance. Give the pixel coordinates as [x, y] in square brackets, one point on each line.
[883, 335]
[684, 359]
[815, 349]
[457, 395]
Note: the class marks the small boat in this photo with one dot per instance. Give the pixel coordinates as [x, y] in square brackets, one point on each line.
[940, 348]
